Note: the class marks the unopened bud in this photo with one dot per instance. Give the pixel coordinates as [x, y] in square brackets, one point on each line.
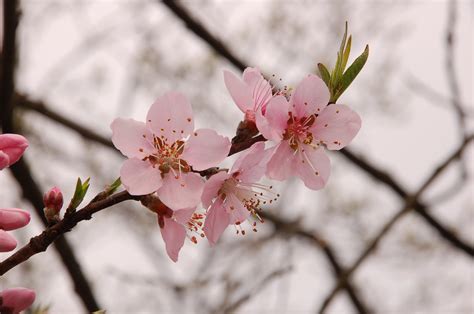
[53, 202]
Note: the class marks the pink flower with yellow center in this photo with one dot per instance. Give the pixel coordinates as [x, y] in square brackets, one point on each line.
[301, 127]
[231, 198]
[164, 151]
[251, 93]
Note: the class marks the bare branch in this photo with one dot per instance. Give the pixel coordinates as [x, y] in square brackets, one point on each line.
[410, 203]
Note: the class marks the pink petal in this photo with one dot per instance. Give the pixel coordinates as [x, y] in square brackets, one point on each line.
[240, 92]
[212, 187]
[236, 210]
[310, 96]
[281, 165]
[216, 222]
[132, 138]
[205, 149]
[182, 216]
[17, 299]
[4, 160]
[260, 88]
[140, 177]
[12, 145]
[13, 218]
[313, 167]
[171, 116]
[274, 124]
[7, 242]
[182, 192]
[252, 163]
[174, 235]
[337, 125]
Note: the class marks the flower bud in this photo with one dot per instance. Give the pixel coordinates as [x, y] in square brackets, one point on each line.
[12, 147]
[15, 300]
[53, 202]
[7, 242]
[13, 218]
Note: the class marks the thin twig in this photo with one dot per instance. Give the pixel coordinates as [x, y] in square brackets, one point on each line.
[410, 203]
[41, 242]
[21, 172]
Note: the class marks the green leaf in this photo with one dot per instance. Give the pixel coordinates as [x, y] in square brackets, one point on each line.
[326, 77]
[114, 186]
[347, 52]
[343, 43]
[79, 194]
[351, 73]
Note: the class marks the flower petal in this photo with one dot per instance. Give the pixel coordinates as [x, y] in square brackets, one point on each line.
[281, 165]
[240, 92]
[13, 145]
[205, 149]
[7, 242]
[216, 222]
[17, 299]
[182, 192]
[336, 126]
[182, 216]
[259, 86]
[132, 138]
[274, 123]
[140, 177]
[171, 116]
[174, 235]
[212, 187]
[236, 210]
[252, 163]
[313, 167]
[310, 96]
[13, 218]
[4, 160]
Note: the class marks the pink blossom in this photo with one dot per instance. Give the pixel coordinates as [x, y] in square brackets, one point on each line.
[13, 218]
[251, 93]
[12, 147]
[163, 152]
[15, 300]
[7, 242]
[300, 127]
[174, 224]
[232, 197]
[53, 202]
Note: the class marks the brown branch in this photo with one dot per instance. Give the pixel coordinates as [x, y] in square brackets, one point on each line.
[41, 242]
[197, 28]
[410, 203]
[294, 228]
[20, 170]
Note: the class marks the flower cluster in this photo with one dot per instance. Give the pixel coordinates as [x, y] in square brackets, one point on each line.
[12, 300]
[166, 156]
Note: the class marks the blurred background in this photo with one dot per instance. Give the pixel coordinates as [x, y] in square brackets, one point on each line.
[82, 63]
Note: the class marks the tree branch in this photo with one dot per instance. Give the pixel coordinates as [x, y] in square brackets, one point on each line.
[21, 170]
[41, 242]
[197, 28]
[410, 203]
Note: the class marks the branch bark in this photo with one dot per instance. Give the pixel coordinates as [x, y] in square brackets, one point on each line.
[410, 203]
[21, 172]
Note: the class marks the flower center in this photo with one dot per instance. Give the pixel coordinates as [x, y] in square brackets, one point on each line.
[252, 196]
[167, 157]
[297, 131]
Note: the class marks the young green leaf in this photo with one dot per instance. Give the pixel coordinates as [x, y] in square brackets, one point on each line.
[114, 186]
[79, 194]
[325, 76]
[351, 73]
[347, 51]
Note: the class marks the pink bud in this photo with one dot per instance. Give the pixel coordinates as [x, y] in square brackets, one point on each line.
[7, 242]
[12, 147]
[13, 218]
[16, 300]
[53, 199]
